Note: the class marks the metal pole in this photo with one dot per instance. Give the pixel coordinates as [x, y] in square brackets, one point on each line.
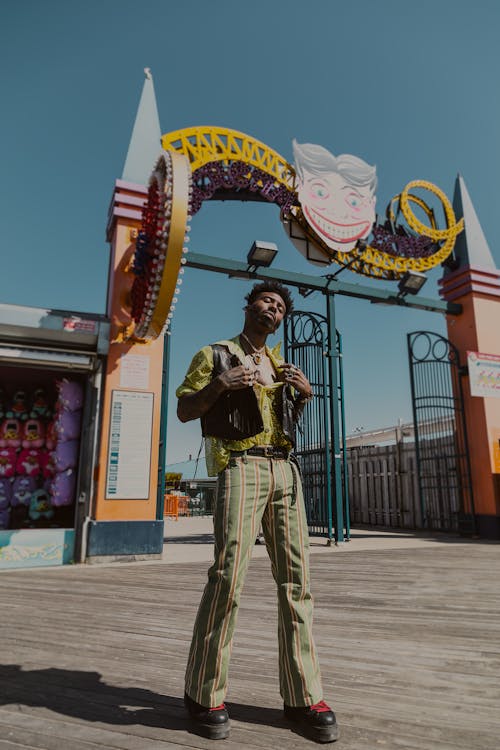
[160, 498]
[347, 515]
[328, 439]
[334, 418]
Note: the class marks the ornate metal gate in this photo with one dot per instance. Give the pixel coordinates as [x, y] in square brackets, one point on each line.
[443, 467]
[306, 345]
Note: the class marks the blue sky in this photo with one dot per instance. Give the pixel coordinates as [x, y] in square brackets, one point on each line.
[410, 87]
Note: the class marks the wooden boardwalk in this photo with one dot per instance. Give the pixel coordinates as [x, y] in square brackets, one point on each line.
[409, 639]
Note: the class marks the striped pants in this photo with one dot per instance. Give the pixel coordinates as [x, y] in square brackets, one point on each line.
[250, 491]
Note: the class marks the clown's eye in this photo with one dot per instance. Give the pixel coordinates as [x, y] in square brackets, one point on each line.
[320, 190]
[354, 201]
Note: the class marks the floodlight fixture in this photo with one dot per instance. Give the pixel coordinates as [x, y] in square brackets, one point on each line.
[261, 254]
[411, 283]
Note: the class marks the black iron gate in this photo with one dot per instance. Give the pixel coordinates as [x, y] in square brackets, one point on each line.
[306, 345]
[443, 467]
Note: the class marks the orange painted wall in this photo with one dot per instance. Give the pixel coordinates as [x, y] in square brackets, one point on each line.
[478, 329]
[120, 283]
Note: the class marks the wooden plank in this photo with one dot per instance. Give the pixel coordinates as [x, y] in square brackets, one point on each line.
[409, 643]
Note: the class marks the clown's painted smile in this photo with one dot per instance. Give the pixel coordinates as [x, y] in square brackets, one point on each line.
[336, 231]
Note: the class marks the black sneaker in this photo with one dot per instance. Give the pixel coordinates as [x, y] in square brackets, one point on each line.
[210, 722]
[317, 722]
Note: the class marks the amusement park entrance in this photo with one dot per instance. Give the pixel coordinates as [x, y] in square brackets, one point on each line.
[442, 472]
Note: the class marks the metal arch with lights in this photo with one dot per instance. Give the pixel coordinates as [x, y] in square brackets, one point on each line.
[206, 163]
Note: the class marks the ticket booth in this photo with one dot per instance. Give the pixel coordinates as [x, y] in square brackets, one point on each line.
[51, 363]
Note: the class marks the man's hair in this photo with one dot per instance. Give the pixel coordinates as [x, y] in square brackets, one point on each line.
[271, 286]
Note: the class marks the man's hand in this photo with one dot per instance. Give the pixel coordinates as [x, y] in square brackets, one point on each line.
[294, 376]
[237, 378]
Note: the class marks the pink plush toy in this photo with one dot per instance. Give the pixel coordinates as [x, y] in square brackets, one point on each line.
[50, 436]
[63, 488]
[66, 455]
[47, 464]
[7, 462]
[22, 490]
[67, 425]
[29, 462]
[33, 434]
[10, 433]
[70, 395]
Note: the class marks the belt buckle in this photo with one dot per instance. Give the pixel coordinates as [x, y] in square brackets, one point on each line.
[268, 451]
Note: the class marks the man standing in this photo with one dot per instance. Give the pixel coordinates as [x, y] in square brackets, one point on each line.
[248, 400]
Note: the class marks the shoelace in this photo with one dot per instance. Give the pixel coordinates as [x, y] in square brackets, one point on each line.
[321, 707]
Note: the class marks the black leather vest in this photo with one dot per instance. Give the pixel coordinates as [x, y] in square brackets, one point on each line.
[236, 414]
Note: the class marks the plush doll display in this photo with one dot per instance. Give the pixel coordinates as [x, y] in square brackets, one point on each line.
[47, 459]
[50, 436]
[10, 433]
[40, 406]
[70, 396]
[63, 488]
[5, 493]
[33, 434]
[66, 455]
[40, 507]
[29, 462]
[22, 490]
[67, 425]
[19, 406]
[7, 462]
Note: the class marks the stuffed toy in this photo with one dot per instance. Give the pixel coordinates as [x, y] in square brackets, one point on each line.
[66, 455]
[50, 436]
[67, 425]
[4, 518]
[33, 434]
[29, 463]
[62, 488]
[7, 462]
[22, 489]
[19, 406]
[40, 406]
[40, 506]
[5, 493]
[70, 396]
[47, 463]
[10, 433]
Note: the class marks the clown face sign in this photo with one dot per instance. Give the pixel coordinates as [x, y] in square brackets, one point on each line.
[337, 195]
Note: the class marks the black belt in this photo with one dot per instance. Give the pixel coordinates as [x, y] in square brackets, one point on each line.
[264, 451]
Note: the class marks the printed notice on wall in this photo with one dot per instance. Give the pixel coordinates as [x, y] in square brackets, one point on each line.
[134, 371]
[129, 451]
[484, 374]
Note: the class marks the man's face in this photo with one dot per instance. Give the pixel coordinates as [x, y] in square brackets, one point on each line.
[339, 213]
[267, 311]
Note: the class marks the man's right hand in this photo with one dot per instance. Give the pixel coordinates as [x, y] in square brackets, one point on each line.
[237, 378]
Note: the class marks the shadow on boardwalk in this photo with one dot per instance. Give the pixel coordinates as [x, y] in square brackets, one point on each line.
[408, 637]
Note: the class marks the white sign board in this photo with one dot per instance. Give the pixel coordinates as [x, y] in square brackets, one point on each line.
[129, 451]
[484, 374]
[134, 371]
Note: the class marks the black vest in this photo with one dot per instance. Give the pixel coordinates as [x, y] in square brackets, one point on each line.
[236, 414]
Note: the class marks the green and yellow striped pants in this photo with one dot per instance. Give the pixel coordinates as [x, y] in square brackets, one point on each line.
[250, 491]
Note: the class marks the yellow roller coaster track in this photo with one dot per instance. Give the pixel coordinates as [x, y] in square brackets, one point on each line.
[205, 144]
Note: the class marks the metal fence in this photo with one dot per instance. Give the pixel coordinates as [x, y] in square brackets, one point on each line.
[384, 491]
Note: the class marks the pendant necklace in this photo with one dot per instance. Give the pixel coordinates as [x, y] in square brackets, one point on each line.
[256, 354]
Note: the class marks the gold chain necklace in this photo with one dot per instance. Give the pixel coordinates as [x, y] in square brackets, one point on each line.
[256, 354]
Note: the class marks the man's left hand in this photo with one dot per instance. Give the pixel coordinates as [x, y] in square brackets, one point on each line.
[294, 376]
